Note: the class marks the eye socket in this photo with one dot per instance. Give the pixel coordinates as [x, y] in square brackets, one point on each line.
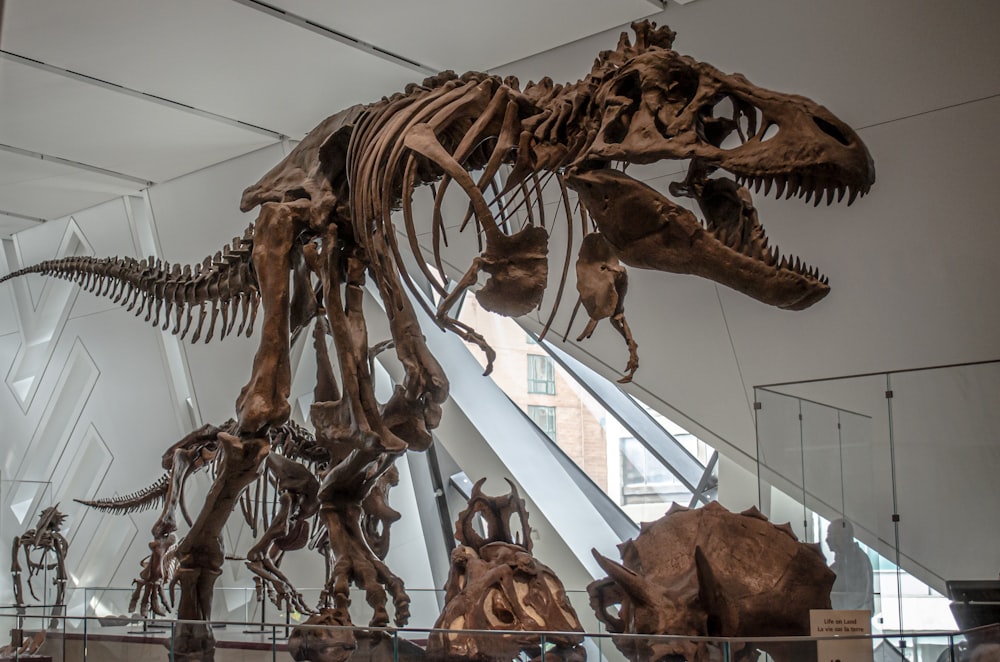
[682, 85]
[629, 87]
[831, 130]
[619, 107]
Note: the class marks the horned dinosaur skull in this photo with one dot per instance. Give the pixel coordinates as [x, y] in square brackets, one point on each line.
[709, 572]
[654, 104]
[496, 584]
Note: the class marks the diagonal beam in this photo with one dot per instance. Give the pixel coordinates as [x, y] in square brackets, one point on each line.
[22, 217]
[142, 183]
[128, 91]
[336, 35]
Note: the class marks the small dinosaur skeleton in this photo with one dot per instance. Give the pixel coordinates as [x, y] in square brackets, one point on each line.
[290, 475]
[44, 548]
[325, 226]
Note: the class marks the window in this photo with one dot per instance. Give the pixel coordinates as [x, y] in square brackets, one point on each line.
[541, 374]
[544, 418]
[644, 478]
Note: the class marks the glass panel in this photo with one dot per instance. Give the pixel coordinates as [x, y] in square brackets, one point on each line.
[947, 452]
[822, 463]
[779, 452]
[843, 478]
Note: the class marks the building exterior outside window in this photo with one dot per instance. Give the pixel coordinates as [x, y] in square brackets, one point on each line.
[544, 418]
[541, 374]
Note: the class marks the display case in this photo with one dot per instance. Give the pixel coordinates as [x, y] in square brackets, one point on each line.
[907, 461]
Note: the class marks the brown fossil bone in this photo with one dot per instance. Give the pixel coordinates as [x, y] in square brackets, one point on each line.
[323, 637]
[44, 548]
[709, 572]
[225, 281]
[186, 457]
[602, 283]
[285, 528]
[289, 530]
[496, 584]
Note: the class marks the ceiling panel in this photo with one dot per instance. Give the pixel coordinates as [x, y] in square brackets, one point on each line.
[11, 224]
[46, 189]
[59, 116]
[469, 34]
[216, 55]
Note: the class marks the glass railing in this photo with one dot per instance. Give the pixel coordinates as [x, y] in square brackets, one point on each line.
[110, 606]
[899, 468]
[41, 638]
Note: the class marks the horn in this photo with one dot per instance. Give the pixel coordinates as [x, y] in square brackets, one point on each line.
[721, 615]
[630, 582]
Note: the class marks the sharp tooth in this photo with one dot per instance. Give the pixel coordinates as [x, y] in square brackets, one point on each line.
[757, 184]
[793, 186]
[798, 265]
[819, 198]
[809, 195]
[809, 182]
[853, 197]
[781, 186]
[841, 190]
[825, 280]
[767, 185]
[829, 196]
[784, 263]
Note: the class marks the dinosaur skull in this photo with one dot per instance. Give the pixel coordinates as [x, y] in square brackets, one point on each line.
[657, 104]
[496, 584]
[663, 105]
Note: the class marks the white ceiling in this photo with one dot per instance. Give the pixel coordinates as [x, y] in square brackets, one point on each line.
[104, 97]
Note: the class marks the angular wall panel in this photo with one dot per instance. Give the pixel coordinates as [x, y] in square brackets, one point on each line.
[79, 475]
[41, 323]
[75, 384]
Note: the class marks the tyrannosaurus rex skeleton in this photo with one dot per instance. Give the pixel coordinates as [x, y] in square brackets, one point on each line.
[325, 224]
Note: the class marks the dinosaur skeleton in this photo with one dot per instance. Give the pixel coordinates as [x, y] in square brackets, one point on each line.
[38, 544]
[325, 223]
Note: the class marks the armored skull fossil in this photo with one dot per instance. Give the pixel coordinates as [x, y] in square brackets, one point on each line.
[709, 572]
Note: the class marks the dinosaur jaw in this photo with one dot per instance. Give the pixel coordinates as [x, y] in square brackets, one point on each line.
[647, 230]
